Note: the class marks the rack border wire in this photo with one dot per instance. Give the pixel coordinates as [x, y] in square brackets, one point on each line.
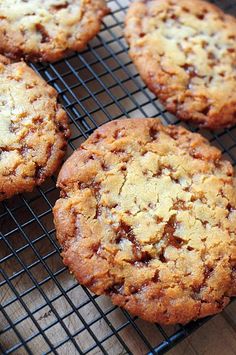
[95, 87]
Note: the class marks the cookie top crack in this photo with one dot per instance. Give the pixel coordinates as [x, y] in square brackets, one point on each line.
[147, 215]
[187, 56]
[33, 129]
[47, 30]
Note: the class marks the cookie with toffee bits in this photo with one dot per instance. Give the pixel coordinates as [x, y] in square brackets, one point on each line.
[33, 129]
[147, 215]
[47, 30]
[186, 54]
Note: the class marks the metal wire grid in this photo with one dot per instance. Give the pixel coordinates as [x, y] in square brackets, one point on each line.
[43, 310]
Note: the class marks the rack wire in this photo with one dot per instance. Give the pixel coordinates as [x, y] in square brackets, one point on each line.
[43, 309]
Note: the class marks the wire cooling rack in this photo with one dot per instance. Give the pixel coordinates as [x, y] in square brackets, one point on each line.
[43, 310]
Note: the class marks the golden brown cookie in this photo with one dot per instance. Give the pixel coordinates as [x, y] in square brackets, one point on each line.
[185, 52]
[47, 30]
[147, 215]
[33, 129]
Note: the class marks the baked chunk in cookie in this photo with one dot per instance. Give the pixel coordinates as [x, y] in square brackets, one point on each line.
[33, 129]
[147, 215]
[47, 30]
[186, 53]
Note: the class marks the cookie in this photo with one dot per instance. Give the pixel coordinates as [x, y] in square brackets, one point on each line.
[147, 215]
[186, 55]
[48, 30]
[33, 129]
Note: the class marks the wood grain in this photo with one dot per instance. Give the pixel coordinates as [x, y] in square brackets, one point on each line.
[30, 256]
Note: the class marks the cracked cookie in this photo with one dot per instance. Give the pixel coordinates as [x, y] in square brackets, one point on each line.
[147, 215]
[187, 56]
[47, 30]
[33, 129]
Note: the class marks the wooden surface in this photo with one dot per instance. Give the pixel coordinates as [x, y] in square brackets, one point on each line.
[34, 264]
[39, 309]
[217, 337]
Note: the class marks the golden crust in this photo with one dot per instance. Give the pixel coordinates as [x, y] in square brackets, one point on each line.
[33, 129]
[147, 215]
[186, 55]
[48, 30]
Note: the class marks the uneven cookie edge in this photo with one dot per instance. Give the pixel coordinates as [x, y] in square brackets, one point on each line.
[50, 55]
[65, 235]
[62, 131]
[155, 78]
